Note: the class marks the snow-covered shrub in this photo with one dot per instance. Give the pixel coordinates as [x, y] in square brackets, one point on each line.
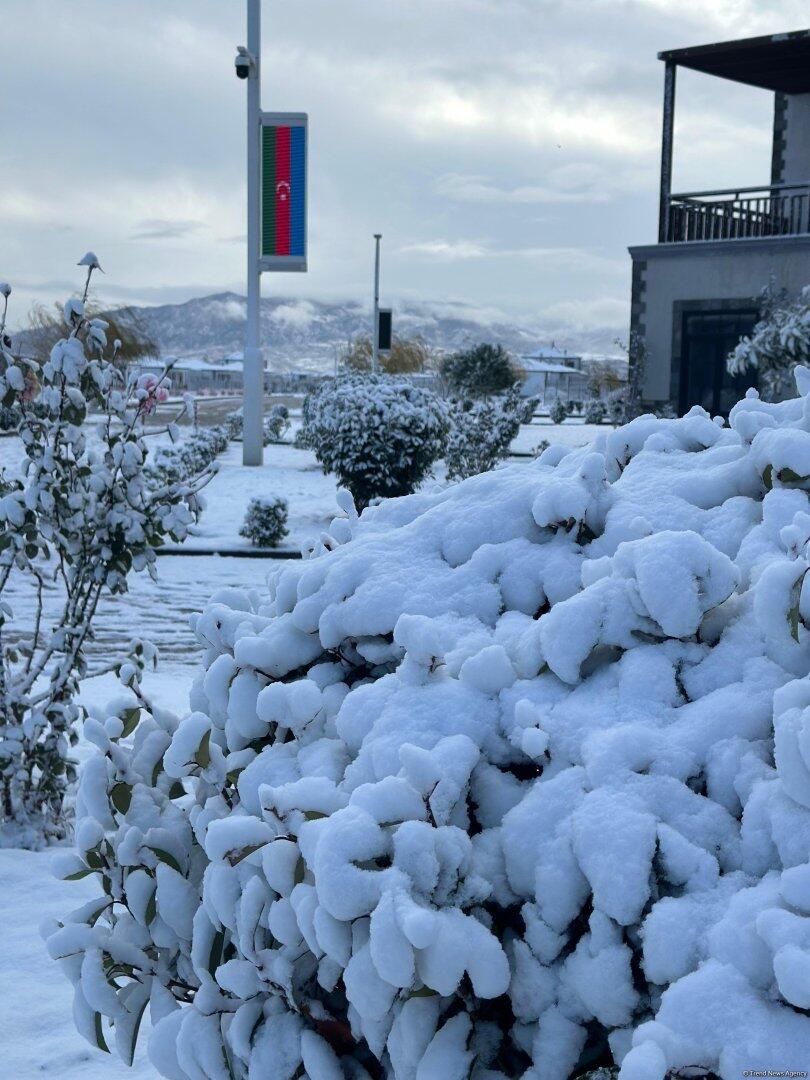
[176, 463]
[482, 431]
[276, 424]
[481, 370]
[780, 341]
[595, 411]
[558, 412]
[265, 522]
[234, 424]
[378, 434]
[78, 513]
[513, 782]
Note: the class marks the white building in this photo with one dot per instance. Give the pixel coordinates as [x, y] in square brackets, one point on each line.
[196, 375]
[552, 374]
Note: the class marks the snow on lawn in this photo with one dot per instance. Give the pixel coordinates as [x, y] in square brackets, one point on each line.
[297, 476]
[36, 1023]
[287, 471]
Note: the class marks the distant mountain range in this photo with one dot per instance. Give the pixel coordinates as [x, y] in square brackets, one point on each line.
[306, 334]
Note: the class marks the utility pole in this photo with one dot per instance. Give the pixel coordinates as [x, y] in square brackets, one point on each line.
[375, 354]
[253, 366]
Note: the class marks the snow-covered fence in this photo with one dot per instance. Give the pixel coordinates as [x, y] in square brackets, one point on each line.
[513, 782]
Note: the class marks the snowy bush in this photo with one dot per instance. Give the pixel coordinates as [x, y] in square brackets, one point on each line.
[482, 431]
[79, 515]
[276, 424]
[558, 412]
[780, 341]
[595, 411]
[378, 434]
[176, 463]
[479, 371]
[514, 782]
[234, 424]
[265, 522]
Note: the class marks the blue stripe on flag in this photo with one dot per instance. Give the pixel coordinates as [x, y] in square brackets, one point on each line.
[298, 184]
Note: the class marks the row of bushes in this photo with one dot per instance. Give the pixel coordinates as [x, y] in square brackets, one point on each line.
[381, 435]
[175, 464]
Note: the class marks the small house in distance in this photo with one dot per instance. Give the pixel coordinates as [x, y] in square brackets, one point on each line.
[194, 375]
[695, 292]
[551, 375]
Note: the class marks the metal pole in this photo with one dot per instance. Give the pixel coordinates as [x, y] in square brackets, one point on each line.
[667, 135]
[375, 353]
[253, 384]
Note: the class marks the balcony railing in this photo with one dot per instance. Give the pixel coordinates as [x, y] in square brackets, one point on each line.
[735, 213]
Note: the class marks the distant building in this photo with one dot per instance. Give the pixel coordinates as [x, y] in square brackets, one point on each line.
[196, 375]
[695, 293]
[551, 375]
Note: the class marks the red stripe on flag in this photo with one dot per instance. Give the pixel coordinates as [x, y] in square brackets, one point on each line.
[283, 191]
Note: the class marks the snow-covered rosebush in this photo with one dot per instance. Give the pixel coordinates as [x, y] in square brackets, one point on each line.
[558, 412]
[265, 522]
[482, 431]
[780, 341]
[78, 516]
[380, 435]
[513, 782]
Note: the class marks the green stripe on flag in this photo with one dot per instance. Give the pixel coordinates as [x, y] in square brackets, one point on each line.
[268, 190]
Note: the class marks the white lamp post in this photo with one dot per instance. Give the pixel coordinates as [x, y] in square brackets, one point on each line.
[248, 66]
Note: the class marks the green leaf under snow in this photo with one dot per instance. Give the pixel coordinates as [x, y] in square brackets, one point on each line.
[100, 1042]
[203, 755]
[130, 718]
[215, 956]
[166, 857]
[121, 796]
[236, 857]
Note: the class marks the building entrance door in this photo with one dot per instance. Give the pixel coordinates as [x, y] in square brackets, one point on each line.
[708, 338]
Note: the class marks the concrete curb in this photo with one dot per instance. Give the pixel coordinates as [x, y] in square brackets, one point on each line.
[232, 553]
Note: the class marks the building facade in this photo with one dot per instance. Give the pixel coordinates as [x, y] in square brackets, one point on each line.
[697, 291]
[552, 375]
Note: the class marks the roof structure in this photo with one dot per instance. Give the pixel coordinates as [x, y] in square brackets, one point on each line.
[528, 363]
[551, 352]
[778, 62]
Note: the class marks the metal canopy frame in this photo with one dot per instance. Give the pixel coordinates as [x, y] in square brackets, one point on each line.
[777, 62]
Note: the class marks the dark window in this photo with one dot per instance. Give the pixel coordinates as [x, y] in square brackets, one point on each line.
[708, 338]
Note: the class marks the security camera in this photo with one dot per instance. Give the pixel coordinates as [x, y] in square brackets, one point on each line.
[243, 62]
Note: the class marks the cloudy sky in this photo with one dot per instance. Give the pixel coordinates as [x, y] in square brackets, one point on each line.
[507, 149]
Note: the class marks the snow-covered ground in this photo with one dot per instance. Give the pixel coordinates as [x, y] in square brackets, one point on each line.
[297, 476]
[37, 1034]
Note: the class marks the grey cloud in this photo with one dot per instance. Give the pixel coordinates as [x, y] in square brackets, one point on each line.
[469, 128]
[164, 229]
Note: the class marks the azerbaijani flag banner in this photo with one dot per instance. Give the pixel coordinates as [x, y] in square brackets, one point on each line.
[284, 191]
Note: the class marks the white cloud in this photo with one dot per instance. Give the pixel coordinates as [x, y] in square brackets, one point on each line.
[228, 310]
[300, 314]
[447, 249]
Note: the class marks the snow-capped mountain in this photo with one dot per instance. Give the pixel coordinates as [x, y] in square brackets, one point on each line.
[306, 334]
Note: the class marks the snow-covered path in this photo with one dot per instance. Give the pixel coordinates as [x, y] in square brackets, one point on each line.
[158, 611]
